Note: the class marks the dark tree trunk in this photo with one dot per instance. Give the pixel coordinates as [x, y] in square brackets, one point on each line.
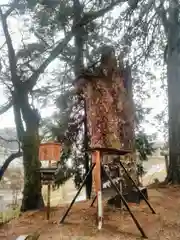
[173, 71]
[32, 197]
[173, 74]
[78, 67]
[86, 157]
[166, 162]
[29, 137]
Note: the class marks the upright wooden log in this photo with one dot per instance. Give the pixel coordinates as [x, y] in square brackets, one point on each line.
[96, 158]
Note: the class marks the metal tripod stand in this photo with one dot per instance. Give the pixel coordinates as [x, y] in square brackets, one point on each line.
[100, 151]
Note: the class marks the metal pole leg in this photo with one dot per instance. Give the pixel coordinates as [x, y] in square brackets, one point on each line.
[147, 202]
[126, 205]
[94, 199]
[74, 199]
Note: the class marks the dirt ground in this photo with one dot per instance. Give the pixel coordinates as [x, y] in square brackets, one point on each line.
[81, 221]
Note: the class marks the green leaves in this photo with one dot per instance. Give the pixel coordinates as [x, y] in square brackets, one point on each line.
[143, 146]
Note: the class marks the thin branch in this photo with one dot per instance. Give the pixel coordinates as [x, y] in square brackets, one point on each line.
[55, 52]
[8, 161]
[2, 45]
[11, 52]
[11, 141]
[160, 10]
[8, 140]
[96, 14]
[5, 107]
[11, 6]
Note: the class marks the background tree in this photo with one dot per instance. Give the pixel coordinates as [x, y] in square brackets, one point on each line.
[150, 27]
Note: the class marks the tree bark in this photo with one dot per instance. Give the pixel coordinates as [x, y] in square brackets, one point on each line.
[86, 157]
[173, 71]
[173, 77]
[29, 137]
[32, 197]
[8, 161]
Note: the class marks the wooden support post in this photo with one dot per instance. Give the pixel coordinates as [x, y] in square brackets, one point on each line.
[48, 197]
[97, 178]
[48, 200]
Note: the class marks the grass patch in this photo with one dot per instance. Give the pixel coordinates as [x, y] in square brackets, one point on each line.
[9, 214]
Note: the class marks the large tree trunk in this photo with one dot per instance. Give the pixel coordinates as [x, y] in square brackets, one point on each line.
[173, 75]
[29, 137]
[32, 198]
[173, 71]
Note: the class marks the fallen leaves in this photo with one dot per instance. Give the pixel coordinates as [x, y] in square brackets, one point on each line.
[81, 221]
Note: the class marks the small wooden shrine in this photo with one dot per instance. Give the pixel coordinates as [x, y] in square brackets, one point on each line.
[49, 152]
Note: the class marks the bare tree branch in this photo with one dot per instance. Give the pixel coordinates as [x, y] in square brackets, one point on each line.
[96, 14]
[11, 6]
[3, 45]
[8, 161]
[8, 140]
[11, 141]
[5, 107]
[11, 52]
[160, 10]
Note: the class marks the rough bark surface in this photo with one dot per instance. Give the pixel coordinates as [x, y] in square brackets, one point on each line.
[29, 136]
[105, 99]
[174, 117]
[173, 75]
[32, 198]
[110, 113]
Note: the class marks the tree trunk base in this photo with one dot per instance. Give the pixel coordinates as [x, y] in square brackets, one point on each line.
[32, 203]
[173, 176]
[32, 196]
